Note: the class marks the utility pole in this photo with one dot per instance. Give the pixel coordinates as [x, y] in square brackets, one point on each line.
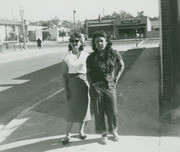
[21, 10]
[136, 34]
[74, 19]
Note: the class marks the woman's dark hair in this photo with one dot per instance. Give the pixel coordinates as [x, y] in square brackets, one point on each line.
[76, 37]
[101, 34]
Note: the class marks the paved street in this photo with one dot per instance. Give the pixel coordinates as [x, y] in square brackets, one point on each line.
[33, 105]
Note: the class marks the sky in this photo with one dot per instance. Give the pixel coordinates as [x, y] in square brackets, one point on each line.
[35, 10]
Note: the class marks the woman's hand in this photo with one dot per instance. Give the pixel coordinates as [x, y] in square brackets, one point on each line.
[67, 95]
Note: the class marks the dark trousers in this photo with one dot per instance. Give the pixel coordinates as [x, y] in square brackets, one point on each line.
[103, 98]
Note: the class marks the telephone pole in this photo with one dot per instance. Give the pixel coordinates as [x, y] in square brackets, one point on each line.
[21, 10]
[74, 19]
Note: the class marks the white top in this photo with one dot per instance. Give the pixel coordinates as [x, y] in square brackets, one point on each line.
[76, 64]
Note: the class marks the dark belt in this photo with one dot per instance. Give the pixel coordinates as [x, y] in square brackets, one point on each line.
[73, 75]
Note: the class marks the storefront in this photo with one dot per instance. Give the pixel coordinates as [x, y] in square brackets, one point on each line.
[130, 27]
[105, 25]
[119, 28]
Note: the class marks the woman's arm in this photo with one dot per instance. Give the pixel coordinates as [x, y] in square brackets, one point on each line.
[65, 78]
[88, 76]
[119, 70]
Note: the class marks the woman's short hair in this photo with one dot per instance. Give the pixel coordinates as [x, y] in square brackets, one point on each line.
[77, 36]
[100, 34]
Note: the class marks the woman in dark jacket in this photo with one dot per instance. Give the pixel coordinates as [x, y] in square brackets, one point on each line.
[104, 67]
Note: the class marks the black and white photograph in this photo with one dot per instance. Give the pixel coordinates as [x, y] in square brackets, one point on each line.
[89, 75]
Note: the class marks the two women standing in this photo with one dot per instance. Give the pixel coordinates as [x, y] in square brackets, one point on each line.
[104, 67]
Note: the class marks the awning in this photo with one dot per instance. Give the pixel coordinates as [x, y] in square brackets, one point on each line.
[97, 25]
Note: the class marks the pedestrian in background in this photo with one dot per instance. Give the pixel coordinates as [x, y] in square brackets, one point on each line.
[76, 86]
[39, 43]
[104, 68]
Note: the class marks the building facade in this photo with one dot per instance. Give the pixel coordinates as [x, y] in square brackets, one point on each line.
[154, 29]
[106, 25]
[9, 33]
[9, 30]
[34, 32]
[128, 27]
[121, 28]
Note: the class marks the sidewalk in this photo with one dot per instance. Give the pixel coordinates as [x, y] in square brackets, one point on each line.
[23, 54]
[35, 130]
[9, 55]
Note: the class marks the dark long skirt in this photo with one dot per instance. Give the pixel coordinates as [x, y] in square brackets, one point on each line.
[78, 106]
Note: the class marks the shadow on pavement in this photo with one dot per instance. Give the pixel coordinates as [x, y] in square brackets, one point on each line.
[137, 94]
[39, 85]
[46, 144]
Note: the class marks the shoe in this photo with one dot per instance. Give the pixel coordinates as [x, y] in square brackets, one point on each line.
[66, 140]
[82, 136]
[115, 136]
[104, 140]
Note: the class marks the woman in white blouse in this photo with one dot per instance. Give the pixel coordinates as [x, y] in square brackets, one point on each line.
[76, 86]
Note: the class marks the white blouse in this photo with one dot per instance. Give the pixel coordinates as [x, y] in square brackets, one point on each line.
[76, 64]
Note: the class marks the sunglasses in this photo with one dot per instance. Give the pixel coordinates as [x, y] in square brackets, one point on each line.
[72, 41]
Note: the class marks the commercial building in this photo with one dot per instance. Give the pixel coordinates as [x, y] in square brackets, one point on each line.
[154, 29]
[106, 25]
[128, 27]
[9, 33]
[34, 32]
[9, 30]
[55, 34]
[121, 28]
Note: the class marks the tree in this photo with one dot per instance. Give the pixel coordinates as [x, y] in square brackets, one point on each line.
[46, 23]
[107, 17]
[122, 14]
[80, 27]
[55, 21]
[140, 14]
[67, 24]
[115, 15]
